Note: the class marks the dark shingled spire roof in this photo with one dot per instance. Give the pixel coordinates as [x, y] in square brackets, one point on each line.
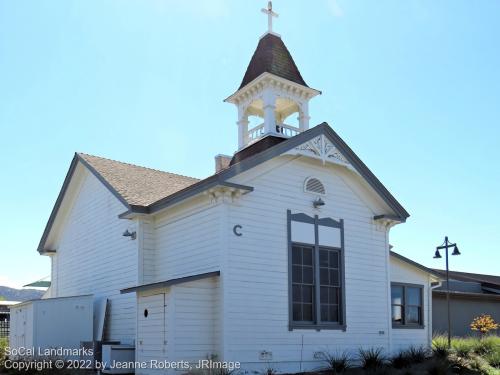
[273, 57]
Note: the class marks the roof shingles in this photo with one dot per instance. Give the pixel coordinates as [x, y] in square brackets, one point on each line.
[138, 186]
[272, 56]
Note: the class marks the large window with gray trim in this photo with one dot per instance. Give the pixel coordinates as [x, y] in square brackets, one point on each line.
[316, 272]
[407, 305]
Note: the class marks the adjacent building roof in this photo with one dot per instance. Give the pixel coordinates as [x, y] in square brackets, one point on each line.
[273, 57]
[485, 280]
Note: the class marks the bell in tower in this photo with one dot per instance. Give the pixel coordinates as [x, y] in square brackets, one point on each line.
[273, 91]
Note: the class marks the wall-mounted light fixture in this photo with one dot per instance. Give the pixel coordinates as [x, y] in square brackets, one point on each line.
[318, 203]
[132, 235]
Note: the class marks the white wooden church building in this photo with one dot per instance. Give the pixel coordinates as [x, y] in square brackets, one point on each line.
[280, 254]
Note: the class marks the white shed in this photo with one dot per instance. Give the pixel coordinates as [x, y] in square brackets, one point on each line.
[51, 323]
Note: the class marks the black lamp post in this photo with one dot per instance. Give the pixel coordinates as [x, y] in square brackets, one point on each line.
[446, 245]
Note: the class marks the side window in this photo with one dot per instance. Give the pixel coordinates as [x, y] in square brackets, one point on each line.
[407, 305]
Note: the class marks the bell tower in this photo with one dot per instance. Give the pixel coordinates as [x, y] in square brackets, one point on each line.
[272, 91]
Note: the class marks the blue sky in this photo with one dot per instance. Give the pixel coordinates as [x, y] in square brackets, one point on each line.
[412, 86]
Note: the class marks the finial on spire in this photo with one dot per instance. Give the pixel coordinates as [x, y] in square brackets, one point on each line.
[270, 15]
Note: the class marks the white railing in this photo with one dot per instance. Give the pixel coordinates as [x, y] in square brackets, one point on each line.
[258, 132]
[287, 130]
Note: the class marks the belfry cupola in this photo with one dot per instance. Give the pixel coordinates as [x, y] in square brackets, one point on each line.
[272, 92]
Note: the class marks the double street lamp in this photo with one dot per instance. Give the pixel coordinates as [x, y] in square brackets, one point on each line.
[445, 246]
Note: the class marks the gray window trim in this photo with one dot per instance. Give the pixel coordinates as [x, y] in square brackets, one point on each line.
[316, 221]
[420, 325]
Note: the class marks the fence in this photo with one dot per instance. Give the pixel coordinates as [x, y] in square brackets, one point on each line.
[4, 324]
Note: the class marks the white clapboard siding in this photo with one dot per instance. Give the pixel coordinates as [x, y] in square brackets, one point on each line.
[187, 242]
[94, 258]
[195, 314]
[256, 304]
[402, 272]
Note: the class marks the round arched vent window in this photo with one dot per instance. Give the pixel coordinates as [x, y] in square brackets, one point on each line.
[146, 313]
[314, 186]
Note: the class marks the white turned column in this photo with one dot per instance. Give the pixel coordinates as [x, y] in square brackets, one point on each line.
[242, 132]
[304, 116]
[269, 99]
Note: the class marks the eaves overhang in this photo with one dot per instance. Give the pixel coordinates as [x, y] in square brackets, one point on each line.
[266, 78]
[211, 183]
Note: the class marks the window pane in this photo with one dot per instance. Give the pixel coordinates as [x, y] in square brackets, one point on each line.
[296, 255]
[323, 276]
[324, 313]
[397, 314]
[296, 295]
[297, 274]
[333, 295]
[412, 315]
[307, 312]
[334, 277]
[333, 315]
[307, 294]
[397, 295]
[323, 294]
[323, 258]
[413, 296]
[307, 275]
[297, 311]
[334, 259]
[307, 258]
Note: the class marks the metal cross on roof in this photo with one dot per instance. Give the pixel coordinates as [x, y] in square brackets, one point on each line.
[270, 15]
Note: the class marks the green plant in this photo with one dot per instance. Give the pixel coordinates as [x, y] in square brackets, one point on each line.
[371, 359]
[493, 359]
[464, 347]
[337, 363]
[485, 345]
[400, 360]
[440, 347]
[417, 354]
[3, 346]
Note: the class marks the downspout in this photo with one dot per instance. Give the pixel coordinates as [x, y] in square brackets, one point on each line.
[429, 310]
[388, 273]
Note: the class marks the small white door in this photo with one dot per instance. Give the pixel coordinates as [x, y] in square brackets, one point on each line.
[151, 329]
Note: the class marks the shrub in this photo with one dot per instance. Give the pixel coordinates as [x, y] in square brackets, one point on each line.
[486, 345]
[493, 359]
[484, 324]
[371, 359]
[337, 363]
[417, 354]
[464, 347]
[400, 360]
[3, 345]
[440, 347]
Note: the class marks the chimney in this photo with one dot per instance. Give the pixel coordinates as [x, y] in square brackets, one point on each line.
[221, 162]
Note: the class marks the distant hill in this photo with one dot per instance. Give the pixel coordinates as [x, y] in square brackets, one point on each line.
[11, 294]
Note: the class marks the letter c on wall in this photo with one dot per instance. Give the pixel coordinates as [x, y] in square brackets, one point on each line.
[236, 230]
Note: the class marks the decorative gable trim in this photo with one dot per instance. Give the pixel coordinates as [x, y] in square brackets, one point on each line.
[323, 149]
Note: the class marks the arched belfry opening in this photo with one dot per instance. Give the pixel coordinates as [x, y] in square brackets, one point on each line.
[273, 98]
